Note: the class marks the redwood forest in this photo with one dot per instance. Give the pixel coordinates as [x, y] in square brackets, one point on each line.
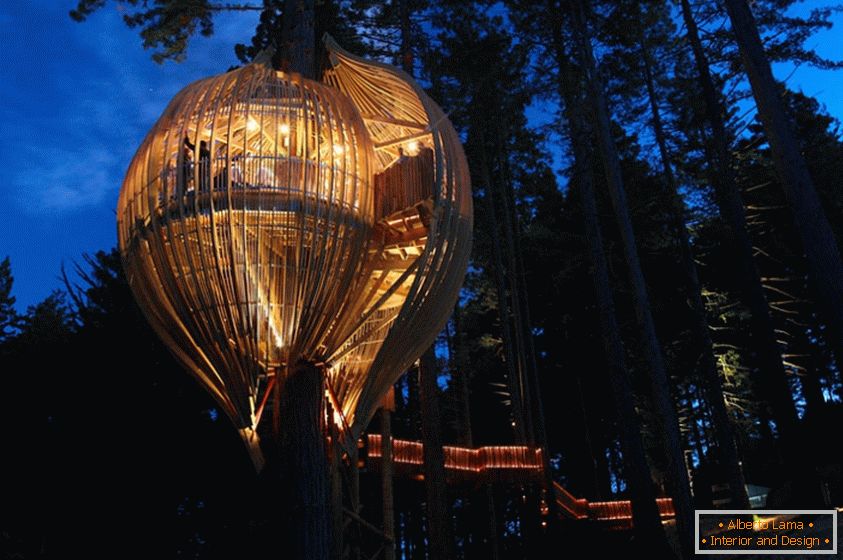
[583, 280]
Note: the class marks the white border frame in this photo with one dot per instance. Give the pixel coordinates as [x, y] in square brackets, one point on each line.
[698, 550]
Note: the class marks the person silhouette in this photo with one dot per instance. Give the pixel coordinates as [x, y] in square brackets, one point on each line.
[186, 168]
[204, 166]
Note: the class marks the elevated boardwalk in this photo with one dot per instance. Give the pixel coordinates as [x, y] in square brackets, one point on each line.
[505, 463]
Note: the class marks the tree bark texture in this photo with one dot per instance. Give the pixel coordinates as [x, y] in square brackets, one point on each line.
[710, 374]
[386, 484]
[305, 457]
[514, 380]
[438, 514]
[645, 513]
[298, 39]
[659, 382]
[818, 241]
[771, 381]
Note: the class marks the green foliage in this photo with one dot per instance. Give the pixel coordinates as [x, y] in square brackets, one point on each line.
[266, 32]
[8, 315]
[786, 35]
[102, 424]
[336, 17]
[49, 321]
[165, 26]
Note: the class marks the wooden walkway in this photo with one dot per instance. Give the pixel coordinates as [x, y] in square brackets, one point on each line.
[504, 463]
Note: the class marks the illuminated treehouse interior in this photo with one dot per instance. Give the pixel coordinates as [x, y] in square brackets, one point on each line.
[268, 218]
[330, 221]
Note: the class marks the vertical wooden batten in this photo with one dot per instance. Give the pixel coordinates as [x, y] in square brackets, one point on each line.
[281, 232]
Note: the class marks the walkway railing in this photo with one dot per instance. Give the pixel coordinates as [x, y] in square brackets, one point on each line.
[507, 462]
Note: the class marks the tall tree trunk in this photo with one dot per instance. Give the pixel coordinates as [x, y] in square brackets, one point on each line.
[772, 381]
[660, 384]
[710, 375]
[818, 241]
[482, 500]
[492, 516]
[513, 378]
[460, 374]
[811, 389]
[386, 483]
[814, 370]
[438, 515]
[534, 405]
[301, 404]
[298, 40]
[600, 485]
[645, 514]
[303, 451]
[414, 406]
[407, 58]
[337, 516]
[696, 432]
[505, 195]
[354, 498]
[587, 470]
[438, 512]
[524, 350]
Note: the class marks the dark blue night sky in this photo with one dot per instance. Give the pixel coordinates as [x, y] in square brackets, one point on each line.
[76, 100]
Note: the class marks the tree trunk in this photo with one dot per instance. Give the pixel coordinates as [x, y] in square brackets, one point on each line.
[513, 378]
[304, 454]
[645, 513]
[818, 241]
[298, 40]
[710, 375]
[533, 402]
[492, 516]
[461, 374]
[525, 361]
[438, 515]
[386, 483]
[413, 413]
[354, 498]
[772, 383]
[337, 517]
[407, 58]
[812, 390]
[660, 384]
[301, 404]
[520, 328]
[466, 438]
[589, 470]
[813, 374]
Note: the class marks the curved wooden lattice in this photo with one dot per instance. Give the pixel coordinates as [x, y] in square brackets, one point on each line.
[267, 218]
[431, 233]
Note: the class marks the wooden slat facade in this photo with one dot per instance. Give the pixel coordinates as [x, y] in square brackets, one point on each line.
[264, 220]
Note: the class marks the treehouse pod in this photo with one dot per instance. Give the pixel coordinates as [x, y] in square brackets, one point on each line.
[268, 218]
